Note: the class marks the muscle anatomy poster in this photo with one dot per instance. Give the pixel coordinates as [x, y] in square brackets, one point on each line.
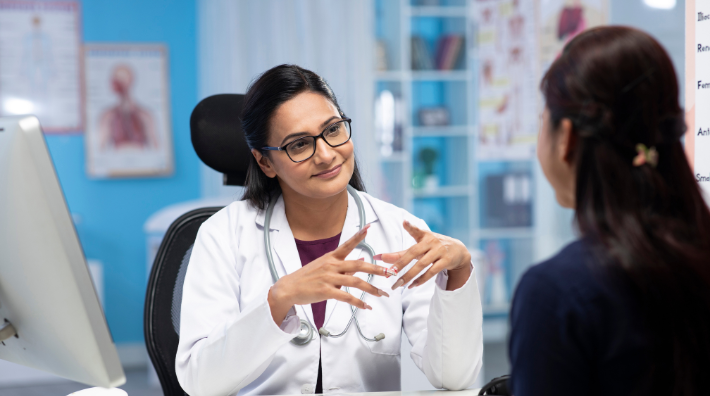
[507, 80]
[128, 130]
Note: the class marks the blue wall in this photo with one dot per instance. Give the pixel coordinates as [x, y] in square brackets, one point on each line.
[110, 213]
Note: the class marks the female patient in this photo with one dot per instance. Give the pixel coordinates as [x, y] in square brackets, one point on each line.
[625, 309]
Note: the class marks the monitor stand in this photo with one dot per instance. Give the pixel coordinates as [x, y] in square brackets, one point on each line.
[7, 330]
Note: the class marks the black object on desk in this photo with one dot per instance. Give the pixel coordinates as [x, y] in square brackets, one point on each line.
[497, 386]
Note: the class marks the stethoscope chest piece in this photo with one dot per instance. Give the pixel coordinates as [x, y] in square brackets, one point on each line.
[305, 334]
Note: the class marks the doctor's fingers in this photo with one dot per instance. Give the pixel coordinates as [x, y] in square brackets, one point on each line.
[416, 232]
[415, 252]
[346, 297]
[352, 281]
[430, 257]
[391, 258]
[343, 250]
[438, 266]
[353, 266]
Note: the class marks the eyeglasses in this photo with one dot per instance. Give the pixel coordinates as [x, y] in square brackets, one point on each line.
[303, 148]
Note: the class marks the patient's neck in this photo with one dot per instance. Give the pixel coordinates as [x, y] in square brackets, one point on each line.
[312, 219]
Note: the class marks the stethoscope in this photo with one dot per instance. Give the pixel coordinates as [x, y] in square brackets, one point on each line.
[306, 332]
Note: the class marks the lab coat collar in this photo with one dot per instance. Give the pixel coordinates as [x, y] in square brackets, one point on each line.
[279, 221]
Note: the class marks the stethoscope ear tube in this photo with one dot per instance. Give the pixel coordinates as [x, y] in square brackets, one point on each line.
[306, 332]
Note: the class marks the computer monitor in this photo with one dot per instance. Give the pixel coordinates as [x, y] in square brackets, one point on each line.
[50, 317]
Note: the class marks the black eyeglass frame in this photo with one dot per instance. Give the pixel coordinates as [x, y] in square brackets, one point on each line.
[315, 138]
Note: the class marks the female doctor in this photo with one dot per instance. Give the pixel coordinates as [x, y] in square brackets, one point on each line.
[328, 320]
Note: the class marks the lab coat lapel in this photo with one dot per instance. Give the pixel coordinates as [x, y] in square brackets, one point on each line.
[351, 226]
[284, 244]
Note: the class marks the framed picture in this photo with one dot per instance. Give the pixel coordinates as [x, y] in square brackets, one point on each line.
[128, 131]
[40, 63]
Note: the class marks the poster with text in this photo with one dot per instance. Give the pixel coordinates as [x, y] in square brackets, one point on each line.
[562, 20]
[128, 130]
[40, 63]
[507, 79]
[697, 92]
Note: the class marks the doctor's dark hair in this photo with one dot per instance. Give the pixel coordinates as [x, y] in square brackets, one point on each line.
[264, 96]
[649, 225]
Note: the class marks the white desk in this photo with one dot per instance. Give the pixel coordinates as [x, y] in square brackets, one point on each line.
[467, 392]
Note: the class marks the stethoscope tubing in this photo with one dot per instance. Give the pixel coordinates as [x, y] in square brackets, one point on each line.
[275, 276]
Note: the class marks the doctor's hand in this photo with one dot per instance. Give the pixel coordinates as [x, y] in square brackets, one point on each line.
[439, 251]
[322, 279]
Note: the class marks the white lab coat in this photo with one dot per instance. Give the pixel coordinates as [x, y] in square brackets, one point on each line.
[230, 344]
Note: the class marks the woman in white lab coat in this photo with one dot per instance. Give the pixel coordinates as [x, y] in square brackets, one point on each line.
[237, 325]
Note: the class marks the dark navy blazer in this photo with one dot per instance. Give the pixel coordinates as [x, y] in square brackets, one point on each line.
[574, 331]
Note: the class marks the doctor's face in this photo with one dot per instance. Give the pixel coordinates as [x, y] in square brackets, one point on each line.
[329, 170]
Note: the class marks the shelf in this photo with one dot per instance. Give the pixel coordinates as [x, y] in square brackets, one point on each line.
[438, 11]
[496, 311]
[389, 75]
[446, 130]
[442, 192]
[440, 75]
[421, 75]
[499, 233]
[395, 157]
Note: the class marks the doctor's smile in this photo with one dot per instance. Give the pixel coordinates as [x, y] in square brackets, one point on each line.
[327, 174]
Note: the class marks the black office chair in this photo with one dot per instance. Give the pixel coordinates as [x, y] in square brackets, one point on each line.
[219, 142]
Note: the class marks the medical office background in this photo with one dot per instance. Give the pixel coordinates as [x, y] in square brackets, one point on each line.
[436, 129]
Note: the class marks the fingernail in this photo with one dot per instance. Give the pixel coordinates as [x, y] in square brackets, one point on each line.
[378, 257]
[392, 270]
[414, 284]
[364, 229]
[361, 259]
[397, 284]
[406, 222]
[368, 307]
[382, 293]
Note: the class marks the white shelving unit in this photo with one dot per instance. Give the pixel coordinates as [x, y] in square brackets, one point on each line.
[460, 194]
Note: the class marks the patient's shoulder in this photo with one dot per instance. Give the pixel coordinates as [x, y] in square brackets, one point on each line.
[573, 276]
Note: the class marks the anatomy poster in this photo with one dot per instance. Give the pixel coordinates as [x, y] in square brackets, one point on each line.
[561, 20]
[507, 79]
[40, 62]
[697, 91]
[128, 130]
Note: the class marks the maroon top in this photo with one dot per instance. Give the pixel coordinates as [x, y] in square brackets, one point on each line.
[309, 251]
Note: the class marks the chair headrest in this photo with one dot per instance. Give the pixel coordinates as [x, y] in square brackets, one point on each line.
[217, 136]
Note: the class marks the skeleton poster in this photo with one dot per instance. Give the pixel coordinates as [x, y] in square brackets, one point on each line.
[40, 63]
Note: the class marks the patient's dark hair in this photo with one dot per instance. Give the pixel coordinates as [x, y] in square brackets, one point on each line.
[649, 224]
[264, 96]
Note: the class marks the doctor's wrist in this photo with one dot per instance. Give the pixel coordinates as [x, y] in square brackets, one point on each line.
[279, 303]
